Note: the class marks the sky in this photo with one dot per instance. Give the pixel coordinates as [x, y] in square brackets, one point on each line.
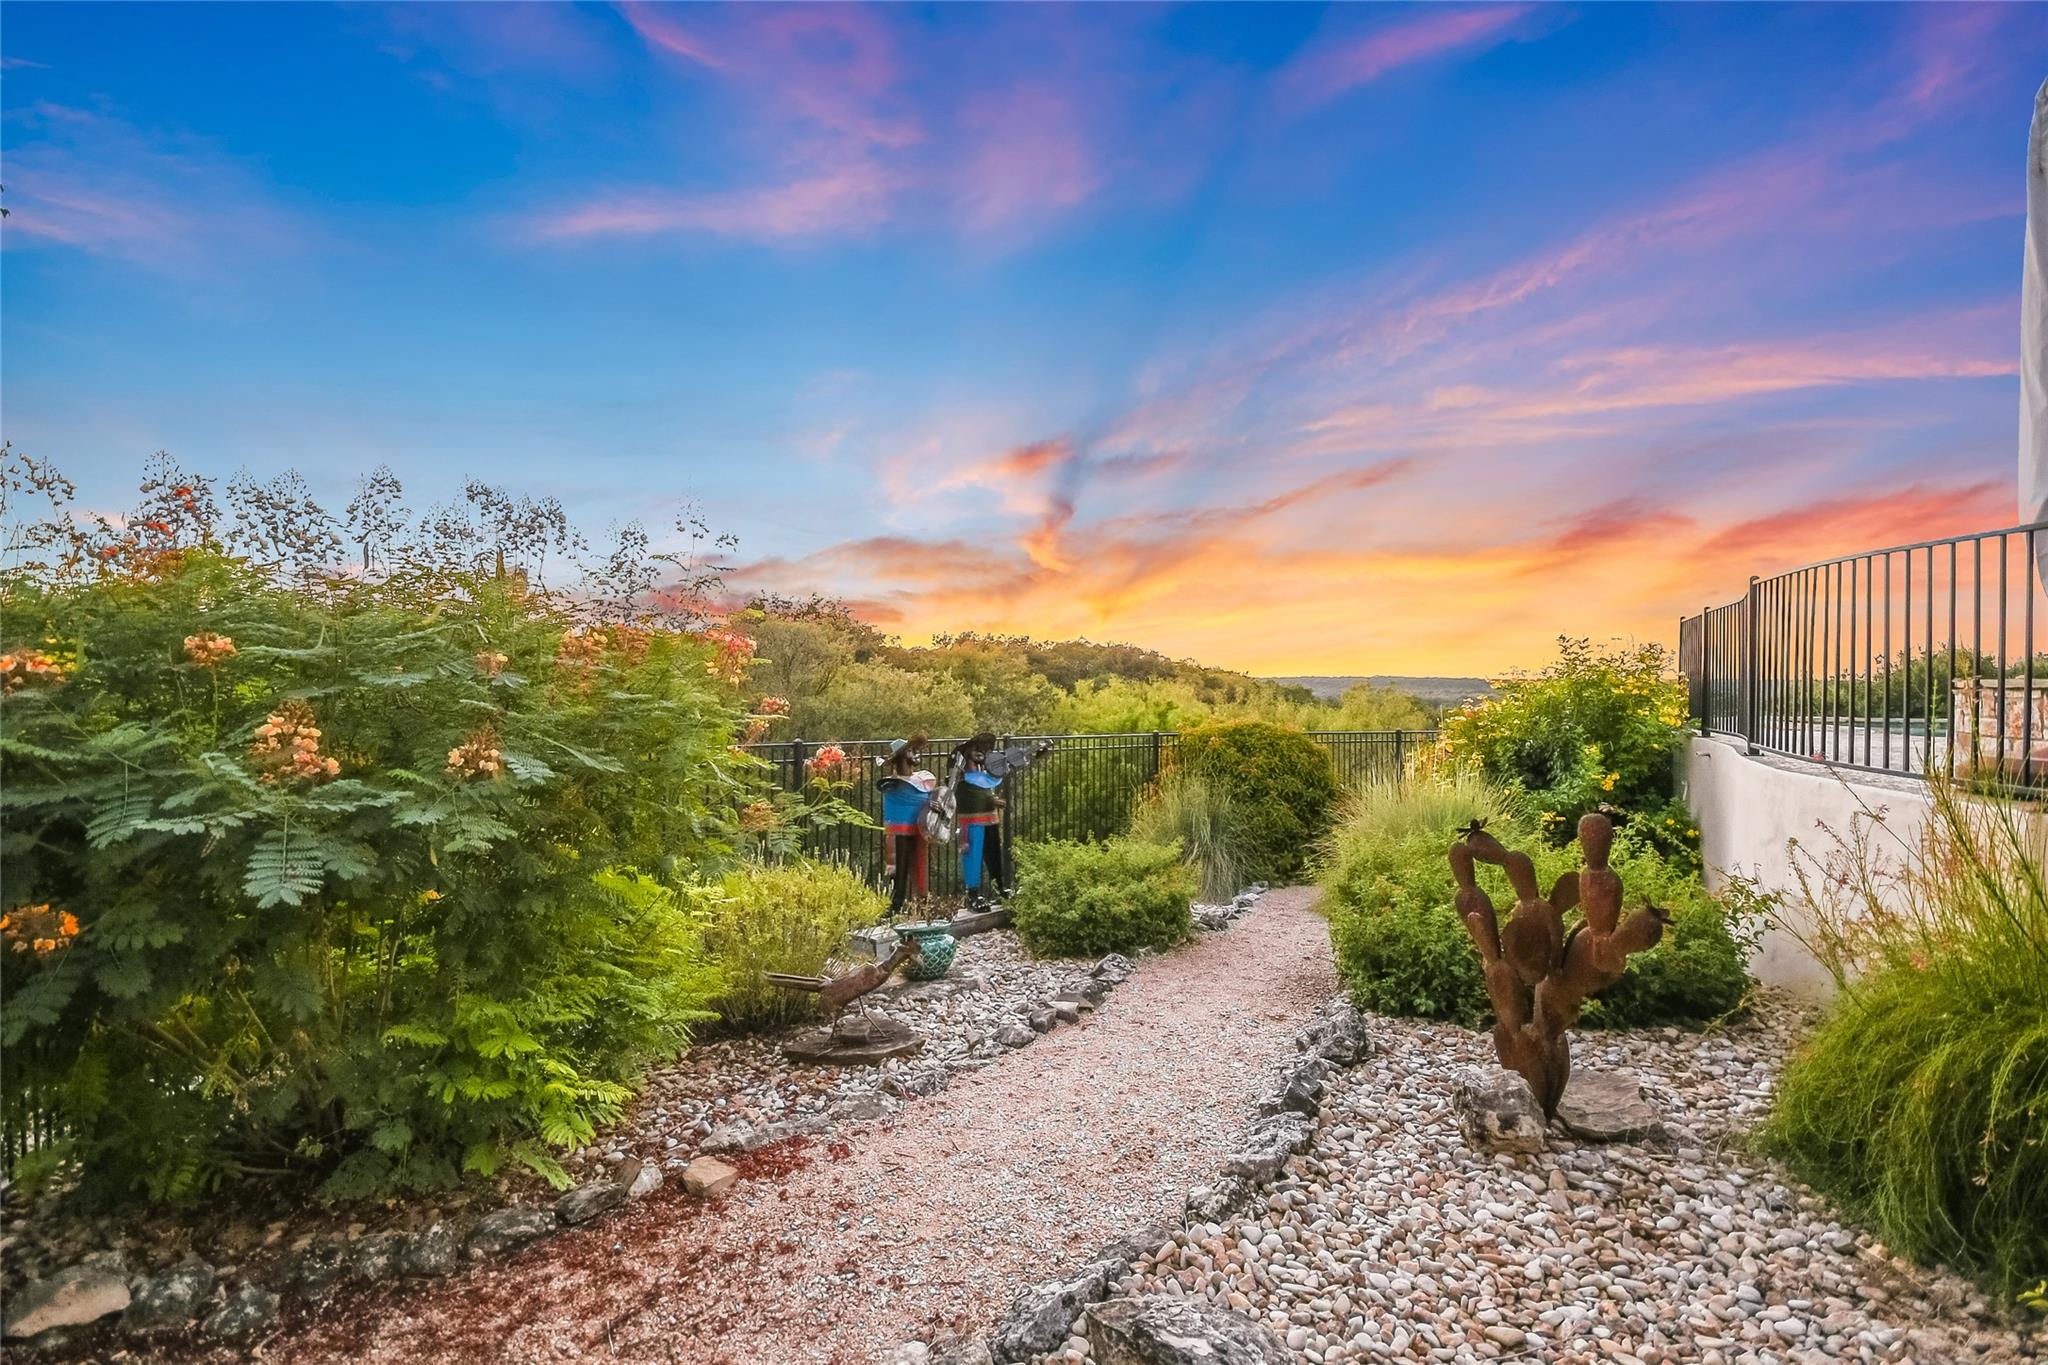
[1360, 339]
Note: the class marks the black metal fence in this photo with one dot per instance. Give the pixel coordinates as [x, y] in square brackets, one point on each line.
[1916, 659]
[1083, 788]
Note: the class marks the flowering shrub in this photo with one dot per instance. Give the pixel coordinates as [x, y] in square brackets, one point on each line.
[208, 650]
[306, 883]
[1595, 730]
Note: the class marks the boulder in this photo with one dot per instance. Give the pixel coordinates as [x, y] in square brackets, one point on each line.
[962, 1353]
[1267, 1146]
[376, 1257]
[170, 1299]
[1114, 969]
[1042, 1020]
[1338, 1035]
[1015, 1035]
[1497, 1111]
[1606, 1106]
[908, 1083]
[708, 1177]
[1218, 1201]
[1067, 1011]
[1039, 1319]
[1091, 989]
[640, 1178]
[248, 1311]
[72, 1297]
[431, 1252]
[313, 1270]
[1161, 1329]
[499, 1232]
[860, 1108]
[735, 1137]
[586, 1202]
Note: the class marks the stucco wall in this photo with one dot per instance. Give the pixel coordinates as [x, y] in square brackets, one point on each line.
[1749, 807]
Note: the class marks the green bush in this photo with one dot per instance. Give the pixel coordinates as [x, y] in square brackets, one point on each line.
[790, 917]
[1183, 808]
[1594, 730]
[1083, 900]
[1400, 948]
[1921, 1102]
[314, 881]
[1280, 784]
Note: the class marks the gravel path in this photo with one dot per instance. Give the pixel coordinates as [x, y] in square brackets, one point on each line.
[1393, 1240]
[921, 1229]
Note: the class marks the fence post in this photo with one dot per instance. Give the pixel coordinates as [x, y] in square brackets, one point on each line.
[1751, 625]
[1400, 768]
[1155, 757]
[796, 765]
[1706, 672]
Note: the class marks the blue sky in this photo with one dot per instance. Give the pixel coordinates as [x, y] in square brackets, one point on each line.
[1368, 338]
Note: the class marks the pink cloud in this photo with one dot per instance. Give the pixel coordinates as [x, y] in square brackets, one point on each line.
[853, 198]
[1028, 158]
[1329, 68]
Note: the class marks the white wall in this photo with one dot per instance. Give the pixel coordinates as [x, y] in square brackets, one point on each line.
[1749, 807]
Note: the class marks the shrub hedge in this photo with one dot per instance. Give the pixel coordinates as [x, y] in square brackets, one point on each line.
[1389, 893]
[1596, 729]
[1281, 786]
[1083, 900]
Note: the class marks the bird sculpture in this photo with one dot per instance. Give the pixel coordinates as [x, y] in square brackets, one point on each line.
[837, 992]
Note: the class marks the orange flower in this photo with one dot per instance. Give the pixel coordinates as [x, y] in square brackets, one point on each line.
[477, 757]
[490, 663]
[288, 746]
[38, 929]
[207, 649]
[19, 669]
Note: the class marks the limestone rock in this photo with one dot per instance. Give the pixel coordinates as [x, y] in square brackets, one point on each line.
[1496, 1110]
[1114, 969]
[708, 1177]
[170, 1299]
[1607, 1106]
[1015, 1035]
[499, 1232]
[640, 1178]
[72, 1297]
[734, 1137]
[248, 1311]
[1067, 1011]
[1042, 1020]
[586, 1202]
[1162, 1329]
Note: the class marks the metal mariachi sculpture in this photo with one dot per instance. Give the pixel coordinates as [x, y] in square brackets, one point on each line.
[1537, 975]
[970, 803]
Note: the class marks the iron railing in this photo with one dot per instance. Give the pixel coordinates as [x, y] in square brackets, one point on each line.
[1082, 788]
[1916, 659]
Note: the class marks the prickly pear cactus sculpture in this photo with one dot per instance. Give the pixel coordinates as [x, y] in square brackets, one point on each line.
[1536, 974]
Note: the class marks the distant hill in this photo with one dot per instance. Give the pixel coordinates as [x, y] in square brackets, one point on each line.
[1432, 691]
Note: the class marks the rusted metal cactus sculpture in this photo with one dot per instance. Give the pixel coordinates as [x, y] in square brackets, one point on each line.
[1536, 974]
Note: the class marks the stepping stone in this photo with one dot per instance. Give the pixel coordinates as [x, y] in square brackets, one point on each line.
[1608, 1106]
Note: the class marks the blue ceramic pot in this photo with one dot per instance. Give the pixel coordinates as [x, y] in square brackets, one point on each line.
[935, 948]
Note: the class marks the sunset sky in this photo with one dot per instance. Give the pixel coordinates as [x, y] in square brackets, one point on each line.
[1368, 339]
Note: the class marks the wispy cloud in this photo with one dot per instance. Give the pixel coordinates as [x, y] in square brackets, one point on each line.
[1335, 64]
[91, 181]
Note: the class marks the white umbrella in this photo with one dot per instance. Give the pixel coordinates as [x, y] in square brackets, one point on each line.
[2034, 336]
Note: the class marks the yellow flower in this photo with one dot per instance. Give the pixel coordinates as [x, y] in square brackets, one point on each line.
[1607, 782]
[1692, 834]
[429, 897]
